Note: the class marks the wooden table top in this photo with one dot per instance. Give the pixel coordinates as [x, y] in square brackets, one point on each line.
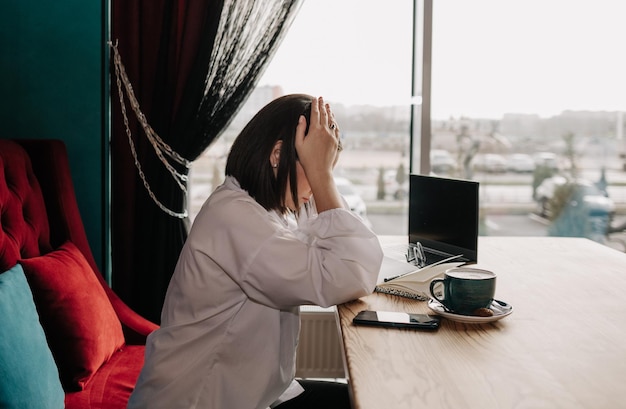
[564, 345]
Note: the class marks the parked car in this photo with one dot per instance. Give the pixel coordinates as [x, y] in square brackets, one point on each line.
[353, 198]
[546, 159]
[441, 161]
[582, 192]
[490, 163]
[521, 163]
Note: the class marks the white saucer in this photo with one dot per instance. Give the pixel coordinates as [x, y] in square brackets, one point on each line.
[500, 310]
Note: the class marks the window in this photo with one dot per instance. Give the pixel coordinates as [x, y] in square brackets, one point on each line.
[526, 90]
[357, 55]
[521, 91]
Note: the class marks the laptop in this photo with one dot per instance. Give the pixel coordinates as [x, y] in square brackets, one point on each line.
[443, 219]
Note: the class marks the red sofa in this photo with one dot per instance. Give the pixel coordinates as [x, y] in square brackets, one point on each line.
[96, 340]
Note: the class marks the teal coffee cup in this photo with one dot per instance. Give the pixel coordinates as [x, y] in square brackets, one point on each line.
[465, 289]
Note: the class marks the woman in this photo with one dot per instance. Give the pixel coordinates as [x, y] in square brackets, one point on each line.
[230, 321]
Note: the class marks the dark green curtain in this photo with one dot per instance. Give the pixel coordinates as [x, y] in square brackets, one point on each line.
[191, 64]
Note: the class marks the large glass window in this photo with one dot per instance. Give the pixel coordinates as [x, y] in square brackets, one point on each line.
[357, 55]
[528, 98]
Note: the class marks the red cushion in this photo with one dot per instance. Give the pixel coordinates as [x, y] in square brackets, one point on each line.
[82, 328]
[112, 385]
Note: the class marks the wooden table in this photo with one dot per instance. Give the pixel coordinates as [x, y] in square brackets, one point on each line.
[564, 345]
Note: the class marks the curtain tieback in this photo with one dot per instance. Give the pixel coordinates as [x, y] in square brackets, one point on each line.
[162, 149]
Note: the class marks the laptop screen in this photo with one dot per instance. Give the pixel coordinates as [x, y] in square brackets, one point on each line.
[443, 215]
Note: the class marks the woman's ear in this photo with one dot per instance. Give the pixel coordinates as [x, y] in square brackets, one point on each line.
[275, 155]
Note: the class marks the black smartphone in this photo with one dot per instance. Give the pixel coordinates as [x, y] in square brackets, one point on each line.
[397, 320]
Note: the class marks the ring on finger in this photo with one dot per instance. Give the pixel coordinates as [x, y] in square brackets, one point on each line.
[332, 126]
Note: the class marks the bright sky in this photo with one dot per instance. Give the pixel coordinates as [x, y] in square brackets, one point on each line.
[490, 57]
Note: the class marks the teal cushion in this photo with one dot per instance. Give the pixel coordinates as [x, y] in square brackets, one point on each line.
[29, 377]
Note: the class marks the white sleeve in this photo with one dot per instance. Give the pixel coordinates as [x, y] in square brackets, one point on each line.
[333, 258]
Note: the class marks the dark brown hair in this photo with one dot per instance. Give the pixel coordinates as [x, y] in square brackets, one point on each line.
[248, 160]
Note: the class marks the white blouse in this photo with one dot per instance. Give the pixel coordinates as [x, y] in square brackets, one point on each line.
[230, 321]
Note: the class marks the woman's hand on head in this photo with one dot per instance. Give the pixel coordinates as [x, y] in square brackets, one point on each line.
[318, 152]
[319, 149]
